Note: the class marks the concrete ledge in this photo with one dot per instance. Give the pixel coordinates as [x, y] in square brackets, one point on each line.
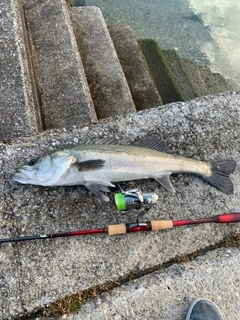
[46, 270]
[168, 294]
[62, 86]
[109, 89]
[19, 104]
[143, 88]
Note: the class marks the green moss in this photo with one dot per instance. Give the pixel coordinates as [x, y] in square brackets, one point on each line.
[180, 74]
[73, 302]
[160, 71]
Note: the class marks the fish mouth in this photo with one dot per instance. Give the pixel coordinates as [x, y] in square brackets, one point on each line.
[16, 176]
[20, 175]
[19, 171]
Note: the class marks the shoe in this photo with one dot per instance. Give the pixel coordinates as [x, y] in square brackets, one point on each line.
[203, 309]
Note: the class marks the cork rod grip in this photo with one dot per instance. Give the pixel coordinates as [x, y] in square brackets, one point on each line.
[161, 224]
[117, 229]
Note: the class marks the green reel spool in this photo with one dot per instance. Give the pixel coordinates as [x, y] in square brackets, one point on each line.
[134, 199]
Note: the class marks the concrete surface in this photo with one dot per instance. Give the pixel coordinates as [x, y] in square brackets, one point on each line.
[167, 294]
[143, 88]
[204, 81]
[214, 81]
[37, 273]
[160, 71]
[19, 106]
[194, 74]
[62, 86]
[181, 77]
[107, 83]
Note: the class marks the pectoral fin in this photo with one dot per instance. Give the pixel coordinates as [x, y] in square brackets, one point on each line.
[89, 165]
[96, 186]
[166, 183]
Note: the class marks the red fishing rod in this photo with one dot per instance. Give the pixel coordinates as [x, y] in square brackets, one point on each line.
[126, 201]
[133, 227]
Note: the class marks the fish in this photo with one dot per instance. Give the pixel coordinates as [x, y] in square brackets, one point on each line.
[100, 163]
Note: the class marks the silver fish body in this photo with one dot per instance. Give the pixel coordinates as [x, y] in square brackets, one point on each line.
[97, 165]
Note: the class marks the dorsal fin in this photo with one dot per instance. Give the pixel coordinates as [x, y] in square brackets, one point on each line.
[153, 143]
[103, 141]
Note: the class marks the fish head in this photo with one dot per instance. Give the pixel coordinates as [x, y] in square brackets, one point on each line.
[46, 170]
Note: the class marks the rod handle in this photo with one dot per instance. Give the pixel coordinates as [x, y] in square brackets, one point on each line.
[155, 225]
[161, 224]
[116, 229]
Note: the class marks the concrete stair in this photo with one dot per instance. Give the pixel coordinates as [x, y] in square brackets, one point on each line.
[180, 75]
[19, 106]
[64, 95]
[108, 85]
[143, 88]
[62, 66]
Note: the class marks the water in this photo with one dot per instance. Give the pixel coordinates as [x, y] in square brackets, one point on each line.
[205, 31]
[222, 19]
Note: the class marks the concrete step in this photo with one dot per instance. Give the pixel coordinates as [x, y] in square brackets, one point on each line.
[195, 77]
[53, 91]
[181, 77]
[204, 81]
[109, 89]
[143, 88]
[62, 86]
[160, 71]
[167, 294]
[19, 107]
[215, 82]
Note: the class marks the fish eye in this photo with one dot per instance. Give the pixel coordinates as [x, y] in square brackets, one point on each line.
[32, 162]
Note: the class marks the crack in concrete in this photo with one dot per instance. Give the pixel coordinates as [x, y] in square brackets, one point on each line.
[137, 275]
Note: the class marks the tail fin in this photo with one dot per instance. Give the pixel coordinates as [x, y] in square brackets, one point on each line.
[221, 170]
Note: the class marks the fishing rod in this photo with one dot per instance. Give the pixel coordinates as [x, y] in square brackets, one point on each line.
[123, 228]
[128, 200]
